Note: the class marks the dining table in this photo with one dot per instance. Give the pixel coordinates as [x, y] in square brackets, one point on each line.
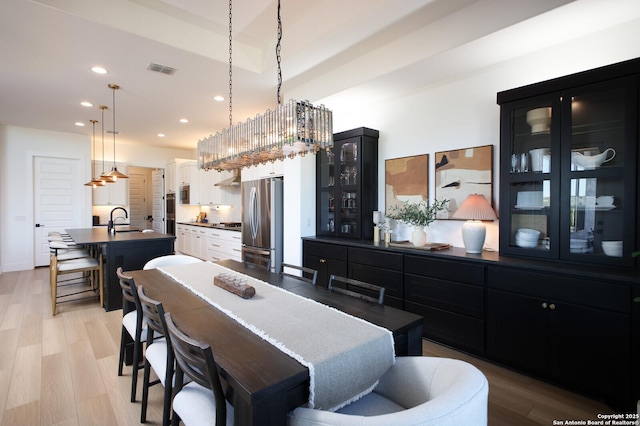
[260, 380]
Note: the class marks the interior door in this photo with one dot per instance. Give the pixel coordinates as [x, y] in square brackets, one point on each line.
[137, 200]
[157, 208]
[57, 203]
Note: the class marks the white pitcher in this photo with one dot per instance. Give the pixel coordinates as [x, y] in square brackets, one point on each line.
[592, 161]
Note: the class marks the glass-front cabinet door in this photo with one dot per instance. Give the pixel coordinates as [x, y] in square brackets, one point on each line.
[347, 184]
[570, 163]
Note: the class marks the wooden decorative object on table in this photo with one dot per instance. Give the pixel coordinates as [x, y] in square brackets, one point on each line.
[235, 285]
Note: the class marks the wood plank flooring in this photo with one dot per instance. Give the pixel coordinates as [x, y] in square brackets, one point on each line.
[62, 370]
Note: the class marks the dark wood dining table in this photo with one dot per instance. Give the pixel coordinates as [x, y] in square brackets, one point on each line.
[261, 382]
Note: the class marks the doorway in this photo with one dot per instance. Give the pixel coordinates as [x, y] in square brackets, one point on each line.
[57, 201]
[146, 203]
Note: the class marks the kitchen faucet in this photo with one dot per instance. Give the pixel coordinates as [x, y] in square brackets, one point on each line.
[111, 226]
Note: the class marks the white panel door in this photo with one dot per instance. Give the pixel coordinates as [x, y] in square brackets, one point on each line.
[157, 210]
[137, 200]
[57, 200]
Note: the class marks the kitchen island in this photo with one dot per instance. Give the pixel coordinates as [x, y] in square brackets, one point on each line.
[128, 248]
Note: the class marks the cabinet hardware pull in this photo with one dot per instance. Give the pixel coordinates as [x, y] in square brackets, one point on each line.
[544, 305]
[323, 261]
[552, 306]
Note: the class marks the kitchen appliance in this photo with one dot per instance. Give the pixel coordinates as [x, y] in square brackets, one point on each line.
[262, 220]
[184, 194]
[170, 217]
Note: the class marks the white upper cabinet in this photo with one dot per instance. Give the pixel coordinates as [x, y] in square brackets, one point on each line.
[113, 194]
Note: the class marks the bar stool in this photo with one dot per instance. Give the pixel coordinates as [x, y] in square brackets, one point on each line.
[66, 261]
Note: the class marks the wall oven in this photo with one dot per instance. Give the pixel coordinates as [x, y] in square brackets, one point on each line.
[171, 214]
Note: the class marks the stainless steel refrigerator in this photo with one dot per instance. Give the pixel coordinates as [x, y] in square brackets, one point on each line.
[262, 220]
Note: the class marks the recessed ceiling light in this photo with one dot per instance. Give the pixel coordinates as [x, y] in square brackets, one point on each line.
[86, 104]
[161, 135]
[99, 70]
[184, 120]
[218, 98]
[79, 124]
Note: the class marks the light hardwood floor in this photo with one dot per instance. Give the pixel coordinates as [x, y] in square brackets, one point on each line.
[62, 370]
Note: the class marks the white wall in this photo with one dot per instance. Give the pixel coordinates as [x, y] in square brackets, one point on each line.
[462, 112]
[18, 146]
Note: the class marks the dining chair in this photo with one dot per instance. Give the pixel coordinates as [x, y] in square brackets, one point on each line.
[415, 391]
[169, 260]
[256, 260]
[158, 355]
[134, 327]
[304, 273]
[355, 288]
[201, 400]
[77, 271]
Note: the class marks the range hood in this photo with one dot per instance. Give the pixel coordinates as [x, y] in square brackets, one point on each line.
[232, 181]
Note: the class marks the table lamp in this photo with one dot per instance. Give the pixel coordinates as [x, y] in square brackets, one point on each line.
[475, 209]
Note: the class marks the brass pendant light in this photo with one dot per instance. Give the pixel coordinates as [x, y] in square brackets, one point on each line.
[114, 174]
[95, 181]
[103, 177]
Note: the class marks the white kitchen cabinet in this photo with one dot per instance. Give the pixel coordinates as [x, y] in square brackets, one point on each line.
[170, 178]
[264, 170]
[207, 180]
[181, 238]
[188, 174]
[112, 194]
[224, 244]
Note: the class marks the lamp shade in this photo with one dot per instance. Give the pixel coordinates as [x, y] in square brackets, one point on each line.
[475, 209]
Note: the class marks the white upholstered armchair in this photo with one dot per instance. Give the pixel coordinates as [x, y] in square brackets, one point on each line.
[416, 391]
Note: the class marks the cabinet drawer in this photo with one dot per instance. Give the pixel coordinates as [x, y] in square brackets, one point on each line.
[390, 280]
[451, 296]
[562, 288]
[447, 327]
[377, 258]
[448, 270]
[329, 251]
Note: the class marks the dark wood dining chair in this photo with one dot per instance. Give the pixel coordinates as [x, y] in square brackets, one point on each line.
[306, 274]
[201, 400]
[158, 355]
[134, 329]
[355, 288]
[257, 260]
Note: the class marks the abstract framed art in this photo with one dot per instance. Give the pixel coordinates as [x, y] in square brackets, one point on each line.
[406, 179]
[462, 172]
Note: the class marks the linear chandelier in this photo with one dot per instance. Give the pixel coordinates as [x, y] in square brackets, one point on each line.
[294, 128]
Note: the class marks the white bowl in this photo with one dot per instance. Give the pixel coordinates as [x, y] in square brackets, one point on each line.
[526, 243]
[612, 248]
[528, 234]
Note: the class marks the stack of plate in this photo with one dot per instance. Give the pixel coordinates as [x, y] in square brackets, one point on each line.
[527, 238]
[579, 246]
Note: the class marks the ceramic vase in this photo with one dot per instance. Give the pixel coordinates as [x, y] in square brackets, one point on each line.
[418, 236]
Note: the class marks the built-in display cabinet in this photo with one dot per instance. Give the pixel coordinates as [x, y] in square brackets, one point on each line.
[568, 157]
[347, 185]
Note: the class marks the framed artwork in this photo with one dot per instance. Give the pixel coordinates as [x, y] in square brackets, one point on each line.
[406, 179]
[462, 172]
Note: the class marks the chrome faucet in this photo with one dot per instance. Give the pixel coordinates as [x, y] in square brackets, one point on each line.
[111, 226]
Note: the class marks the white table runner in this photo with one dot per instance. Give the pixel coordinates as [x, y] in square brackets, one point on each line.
[345, 355]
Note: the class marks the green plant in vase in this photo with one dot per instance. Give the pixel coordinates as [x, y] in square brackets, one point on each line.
[419, 215]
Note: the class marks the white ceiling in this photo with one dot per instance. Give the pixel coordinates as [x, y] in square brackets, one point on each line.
[332, 51]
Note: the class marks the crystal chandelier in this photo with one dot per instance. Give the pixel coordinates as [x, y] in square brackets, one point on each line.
[294, 128]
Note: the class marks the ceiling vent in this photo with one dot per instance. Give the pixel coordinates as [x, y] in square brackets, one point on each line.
[161, 69]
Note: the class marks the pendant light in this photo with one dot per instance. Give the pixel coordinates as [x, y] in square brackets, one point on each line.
[295, 128]
[103, 176]
[114, 174]
[95, 181]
